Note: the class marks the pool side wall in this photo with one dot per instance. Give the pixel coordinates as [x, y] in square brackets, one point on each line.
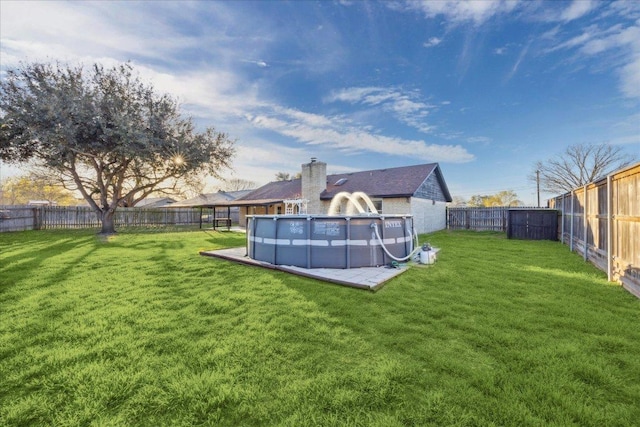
[328, 241]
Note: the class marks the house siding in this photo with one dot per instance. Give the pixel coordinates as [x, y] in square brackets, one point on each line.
[428, 215]
[430, 189]
[396, 206]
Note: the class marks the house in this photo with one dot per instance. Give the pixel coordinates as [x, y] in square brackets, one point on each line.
[418, 190]
[220, 199]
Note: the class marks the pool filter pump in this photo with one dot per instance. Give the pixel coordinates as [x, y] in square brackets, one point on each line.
[427, 256]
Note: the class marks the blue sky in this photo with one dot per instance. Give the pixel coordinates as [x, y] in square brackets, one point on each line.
[485, 88]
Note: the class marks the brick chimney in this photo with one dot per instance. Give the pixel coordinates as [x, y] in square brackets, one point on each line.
[314, 182]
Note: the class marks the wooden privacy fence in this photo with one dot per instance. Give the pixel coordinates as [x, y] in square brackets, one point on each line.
[518, 222]
[479, 219]
[15, 218]
[601, 221]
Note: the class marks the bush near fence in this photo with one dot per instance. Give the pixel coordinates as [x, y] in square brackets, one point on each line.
[17, 218]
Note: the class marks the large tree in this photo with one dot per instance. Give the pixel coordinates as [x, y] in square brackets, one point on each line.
[103, 132]
[578, 165]
[502, 198]
[286, 176]
[238, 184]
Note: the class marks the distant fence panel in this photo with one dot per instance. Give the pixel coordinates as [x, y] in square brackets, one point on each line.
[53, 217]
[17, 218]
[479, 219]
[601, 221]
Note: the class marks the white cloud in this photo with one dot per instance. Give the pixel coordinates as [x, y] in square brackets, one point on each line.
[460, 11]
[478, 139]
[617, 41]
[630, 78]
[405, 106]
[340, 135]
[575, 41]
[259, 63]
[516, 65]
[578, 9]
[72, 30]
[613, 38]
[262, 159]
[433, 41]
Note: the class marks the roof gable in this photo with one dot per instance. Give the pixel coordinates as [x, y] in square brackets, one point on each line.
[434, 187]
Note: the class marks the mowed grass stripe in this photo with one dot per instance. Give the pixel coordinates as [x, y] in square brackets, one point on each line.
[138, 329]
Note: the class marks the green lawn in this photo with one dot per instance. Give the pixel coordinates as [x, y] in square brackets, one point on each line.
[139, 330]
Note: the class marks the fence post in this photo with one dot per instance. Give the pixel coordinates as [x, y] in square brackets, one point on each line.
[585, 223]
[446, 213]
[609, 230]
[563, 214]
[504, 218]
[571, 225]
[37, 218]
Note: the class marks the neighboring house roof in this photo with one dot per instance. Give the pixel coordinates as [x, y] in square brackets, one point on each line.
[211, 199]
[155, 202]
[276, 191]
[392, 182]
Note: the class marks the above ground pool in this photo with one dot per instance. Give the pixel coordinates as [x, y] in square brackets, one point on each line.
[316, 241]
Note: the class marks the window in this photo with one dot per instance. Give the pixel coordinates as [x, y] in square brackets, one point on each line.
[340, 181]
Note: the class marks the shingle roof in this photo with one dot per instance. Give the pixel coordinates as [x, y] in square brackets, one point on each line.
[392, 182]
[155, 202]
[211, 199]
[276, 190]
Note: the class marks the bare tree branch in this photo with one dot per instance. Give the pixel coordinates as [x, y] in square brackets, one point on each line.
[579, 165]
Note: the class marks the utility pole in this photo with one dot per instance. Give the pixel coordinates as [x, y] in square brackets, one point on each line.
[538, 185]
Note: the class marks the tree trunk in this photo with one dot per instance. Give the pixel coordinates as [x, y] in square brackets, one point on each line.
[107, 219]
